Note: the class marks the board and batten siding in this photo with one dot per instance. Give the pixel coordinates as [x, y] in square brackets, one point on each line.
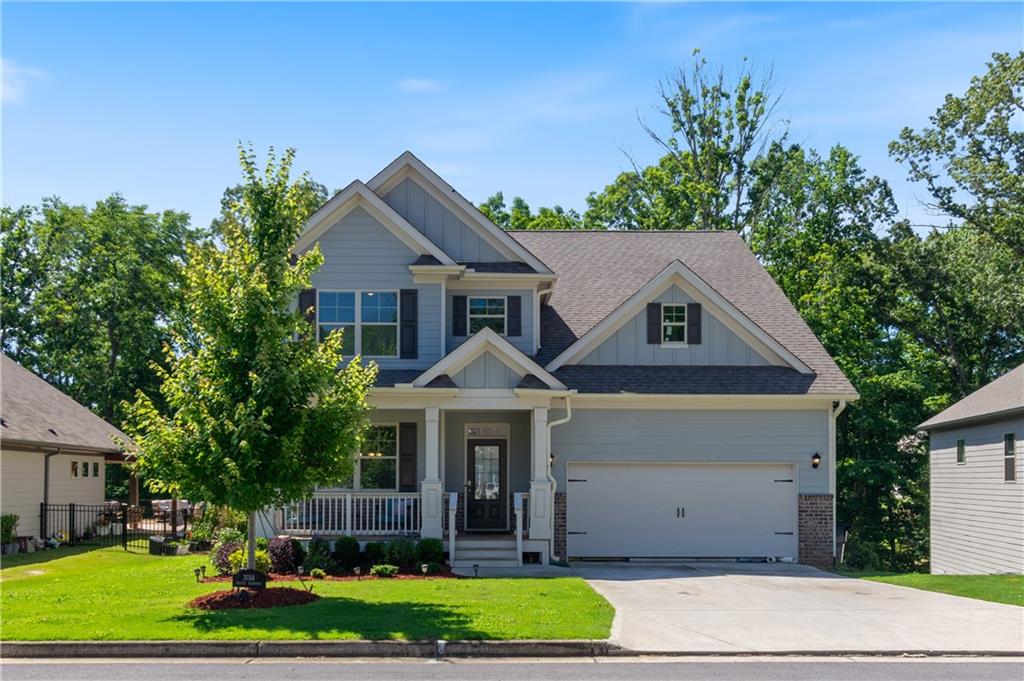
[977, 519]
[522, 342]
[455, 474]
[440, 225]
[696, 435]
[360, 253]
[718, 346]
[21, 485]
[487, 371]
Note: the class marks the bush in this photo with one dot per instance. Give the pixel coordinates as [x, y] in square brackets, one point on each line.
[262, 543]
[860, 555]
[216, 518]
[300, 552]
[376, 552]
[220, 556]
[283, 559]
[230, 535]
[346, 552]
[434, 568]
[430, 550]
[401, 552]
[317, 573]
[239, 559]
[384, 570]
[9, 528]
[318, 555]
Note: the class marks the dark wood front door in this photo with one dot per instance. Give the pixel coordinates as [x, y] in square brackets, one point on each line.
[487, 485]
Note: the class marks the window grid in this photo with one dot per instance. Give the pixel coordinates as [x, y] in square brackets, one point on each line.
[369, 320]
[486, 311]
[673, 324]
[378, 458]
[1009, 457]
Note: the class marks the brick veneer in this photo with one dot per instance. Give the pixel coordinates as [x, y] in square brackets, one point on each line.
[815, 525]
[560, 530]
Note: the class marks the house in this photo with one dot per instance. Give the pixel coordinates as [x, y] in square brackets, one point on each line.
[554, 395]
[52, 449]
[977, 496]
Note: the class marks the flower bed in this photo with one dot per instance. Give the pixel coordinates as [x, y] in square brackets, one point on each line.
[253, 598]
[445, 573]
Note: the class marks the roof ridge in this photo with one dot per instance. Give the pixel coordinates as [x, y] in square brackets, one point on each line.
[621, 231]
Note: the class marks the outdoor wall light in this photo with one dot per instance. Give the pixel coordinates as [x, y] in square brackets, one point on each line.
[551, 459]
[815, 460]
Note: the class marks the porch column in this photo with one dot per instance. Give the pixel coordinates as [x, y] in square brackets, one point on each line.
[431, 486]
[540, 486]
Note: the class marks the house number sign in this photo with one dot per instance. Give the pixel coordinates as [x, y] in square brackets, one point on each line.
[249, 579]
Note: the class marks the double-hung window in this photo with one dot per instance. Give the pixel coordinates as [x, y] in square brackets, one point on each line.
[369, 320]
[961, 451]
[337, 310]
[673, 324]
[377, 467]
[1010, 457]
[487, 312]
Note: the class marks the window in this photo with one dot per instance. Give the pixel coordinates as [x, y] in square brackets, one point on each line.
[377, 467]
[486, 313]
[74, 469]
[673, 324]
[1010, 458]
[961, 452]
[376, 332]
[85, 469]
[95, 469]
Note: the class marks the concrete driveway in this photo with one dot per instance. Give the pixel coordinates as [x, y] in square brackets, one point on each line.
[735, 607]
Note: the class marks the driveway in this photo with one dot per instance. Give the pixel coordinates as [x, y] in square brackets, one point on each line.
[743, 607]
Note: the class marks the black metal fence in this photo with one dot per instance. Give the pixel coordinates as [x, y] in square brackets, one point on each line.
[112, 523]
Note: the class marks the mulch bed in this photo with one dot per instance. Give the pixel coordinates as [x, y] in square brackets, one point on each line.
[253, 598]
[446, 573]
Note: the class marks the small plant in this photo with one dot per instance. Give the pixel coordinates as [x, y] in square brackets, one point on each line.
[430, 550]
[262, 543]
[401, 552]
[229, 535]
[384, 570]
[283, 558]
[220, 556]
[317, 573]
[375, 552]
[318, 555]
[9, 528]
[346, 552]
[239, 559]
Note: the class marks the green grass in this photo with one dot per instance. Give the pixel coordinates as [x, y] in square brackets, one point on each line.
[1007, 589]
[110, 594]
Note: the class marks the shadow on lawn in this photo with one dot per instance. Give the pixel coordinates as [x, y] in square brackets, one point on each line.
[333, 617]
[46, 555]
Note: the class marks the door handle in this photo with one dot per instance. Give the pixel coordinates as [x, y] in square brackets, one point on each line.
[680, 512]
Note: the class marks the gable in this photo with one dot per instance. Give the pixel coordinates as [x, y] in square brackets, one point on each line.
[488, 371]
[719, 345]
[358, 244]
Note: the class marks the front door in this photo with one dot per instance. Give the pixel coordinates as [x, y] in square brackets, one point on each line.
[487, 485]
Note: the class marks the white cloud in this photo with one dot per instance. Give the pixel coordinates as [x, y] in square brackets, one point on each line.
[15, 80]
[418, 85]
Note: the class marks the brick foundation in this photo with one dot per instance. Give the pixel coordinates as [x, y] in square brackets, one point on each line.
[815, 526]
[560, 530]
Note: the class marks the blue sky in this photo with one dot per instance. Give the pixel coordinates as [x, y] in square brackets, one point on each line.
[534, 99]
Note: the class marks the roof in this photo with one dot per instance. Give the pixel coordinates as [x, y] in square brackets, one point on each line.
[599, 270]
[35, 413]
[511, 267]
[1004, 395]
[685, 380]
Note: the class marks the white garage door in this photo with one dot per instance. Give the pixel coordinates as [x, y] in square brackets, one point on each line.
[670, 510]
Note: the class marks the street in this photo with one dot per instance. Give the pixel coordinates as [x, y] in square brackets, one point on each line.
[647, 668]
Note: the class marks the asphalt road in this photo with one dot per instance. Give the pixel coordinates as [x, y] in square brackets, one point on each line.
[648, 669]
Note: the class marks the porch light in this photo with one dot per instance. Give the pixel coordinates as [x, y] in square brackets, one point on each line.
[551, 459]
[816, 460]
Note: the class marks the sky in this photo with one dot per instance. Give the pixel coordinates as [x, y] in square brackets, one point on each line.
[537, 100]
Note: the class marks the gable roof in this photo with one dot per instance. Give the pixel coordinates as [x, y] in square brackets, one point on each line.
[599, 271]
[1005, 395]
[36, 414]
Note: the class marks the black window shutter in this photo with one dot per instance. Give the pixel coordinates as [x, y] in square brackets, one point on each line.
[515, 316]
[693, 323]
[458, 315]
[406, 457]
[410, 315]
[307, 305]
[654, 323]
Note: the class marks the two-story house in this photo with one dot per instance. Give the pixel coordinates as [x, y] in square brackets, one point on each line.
[569, 394]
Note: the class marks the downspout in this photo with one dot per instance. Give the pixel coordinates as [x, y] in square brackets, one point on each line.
[46, 475]
[836, 411]
[551, 478]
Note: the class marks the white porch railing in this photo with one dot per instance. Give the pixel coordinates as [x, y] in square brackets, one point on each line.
[353, 513]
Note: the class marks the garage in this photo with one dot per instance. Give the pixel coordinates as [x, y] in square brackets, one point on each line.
[680, 510]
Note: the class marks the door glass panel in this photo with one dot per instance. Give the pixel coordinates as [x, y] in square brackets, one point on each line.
[486, 472]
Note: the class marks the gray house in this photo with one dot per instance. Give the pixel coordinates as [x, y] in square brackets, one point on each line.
[550, 395]
[977, 497]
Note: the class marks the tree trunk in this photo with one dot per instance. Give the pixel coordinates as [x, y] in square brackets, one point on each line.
[251, 562]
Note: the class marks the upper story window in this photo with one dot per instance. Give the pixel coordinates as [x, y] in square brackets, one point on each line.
[1010, 457]
[961, 451]
[375, 334]
[487, 312]
[673, 324]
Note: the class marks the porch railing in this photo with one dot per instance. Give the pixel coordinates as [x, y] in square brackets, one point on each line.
[353, 513]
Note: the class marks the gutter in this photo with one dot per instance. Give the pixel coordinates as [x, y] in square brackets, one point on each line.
[551, 478]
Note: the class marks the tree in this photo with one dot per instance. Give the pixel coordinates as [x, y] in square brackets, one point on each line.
[258, 411]
[521, 217]
[656, 197]
[24, 272]
[310, 195]
[971, 158]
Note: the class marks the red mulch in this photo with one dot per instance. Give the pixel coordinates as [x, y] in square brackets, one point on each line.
[253, 598]
[446, 573]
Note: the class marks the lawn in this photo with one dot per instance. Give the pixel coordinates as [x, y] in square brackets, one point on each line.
[111, 594]
[996, 588]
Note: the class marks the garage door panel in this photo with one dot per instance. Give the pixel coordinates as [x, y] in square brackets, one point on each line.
[681, 510]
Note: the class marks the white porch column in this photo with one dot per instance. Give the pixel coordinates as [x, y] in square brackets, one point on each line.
[431, 486]
[540, 506]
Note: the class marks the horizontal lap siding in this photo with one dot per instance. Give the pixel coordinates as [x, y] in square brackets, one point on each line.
[977, 519]
[65, 489]
[522, 342]
[360, 253]
[21, 488]
[783, 436]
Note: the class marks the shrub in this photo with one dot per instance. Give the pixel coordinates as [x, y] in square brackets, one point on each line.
[318, 555]
[317, 573]
[220, 556]
[384, 570]
[239, 559]
[401, 552]
[230, 535]
[434, 568]
[346, 552]
[283, 559]
[859, 554]
[215, 518]
[300, 552]
[262, 543]
[376, 552]
[430, 550]
[9, 528]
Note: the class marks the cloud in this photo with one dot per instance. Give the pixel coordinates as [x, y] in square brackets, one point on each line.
[418, 85]
[15, 80]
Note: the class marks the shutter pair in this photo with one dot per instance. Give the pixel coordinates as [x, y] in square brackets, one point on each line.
[693, 327]
[513, 316]
[408, 305]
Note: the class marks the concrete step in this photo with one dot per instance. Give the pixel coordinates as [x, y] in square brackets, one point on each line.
[485, 543]
[464, 564]
[485, 554]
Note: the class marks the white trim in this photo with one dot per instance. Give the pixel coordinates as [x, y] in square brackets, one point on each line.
[355, 195]
[504, 316]
[686, 320]
[357, 343]
[676, 273]
[486, 340]
[508, 471]
[747, 402]
[408, 166]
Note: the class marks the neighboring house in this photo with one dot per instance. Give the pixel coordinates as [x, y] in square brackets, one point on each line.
[52, 449]
[976, 471]
[642, 394]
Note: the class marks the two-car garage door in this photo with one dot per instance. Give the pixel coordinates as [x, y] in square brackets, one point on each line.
[686, 510]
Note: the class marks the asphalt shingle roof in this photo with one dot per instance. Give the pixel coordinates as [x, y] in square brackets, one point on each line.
[685, 380]
[1001, 396]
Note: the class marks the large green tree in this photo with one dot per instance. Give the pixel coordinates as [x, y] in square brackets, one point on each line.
[520, 216]
[258, 411]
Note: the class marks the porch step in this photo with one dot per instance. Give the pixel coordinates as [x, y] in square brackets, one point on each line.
[489, 563]
[485, 551]
[485, 543]
[484, 555]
